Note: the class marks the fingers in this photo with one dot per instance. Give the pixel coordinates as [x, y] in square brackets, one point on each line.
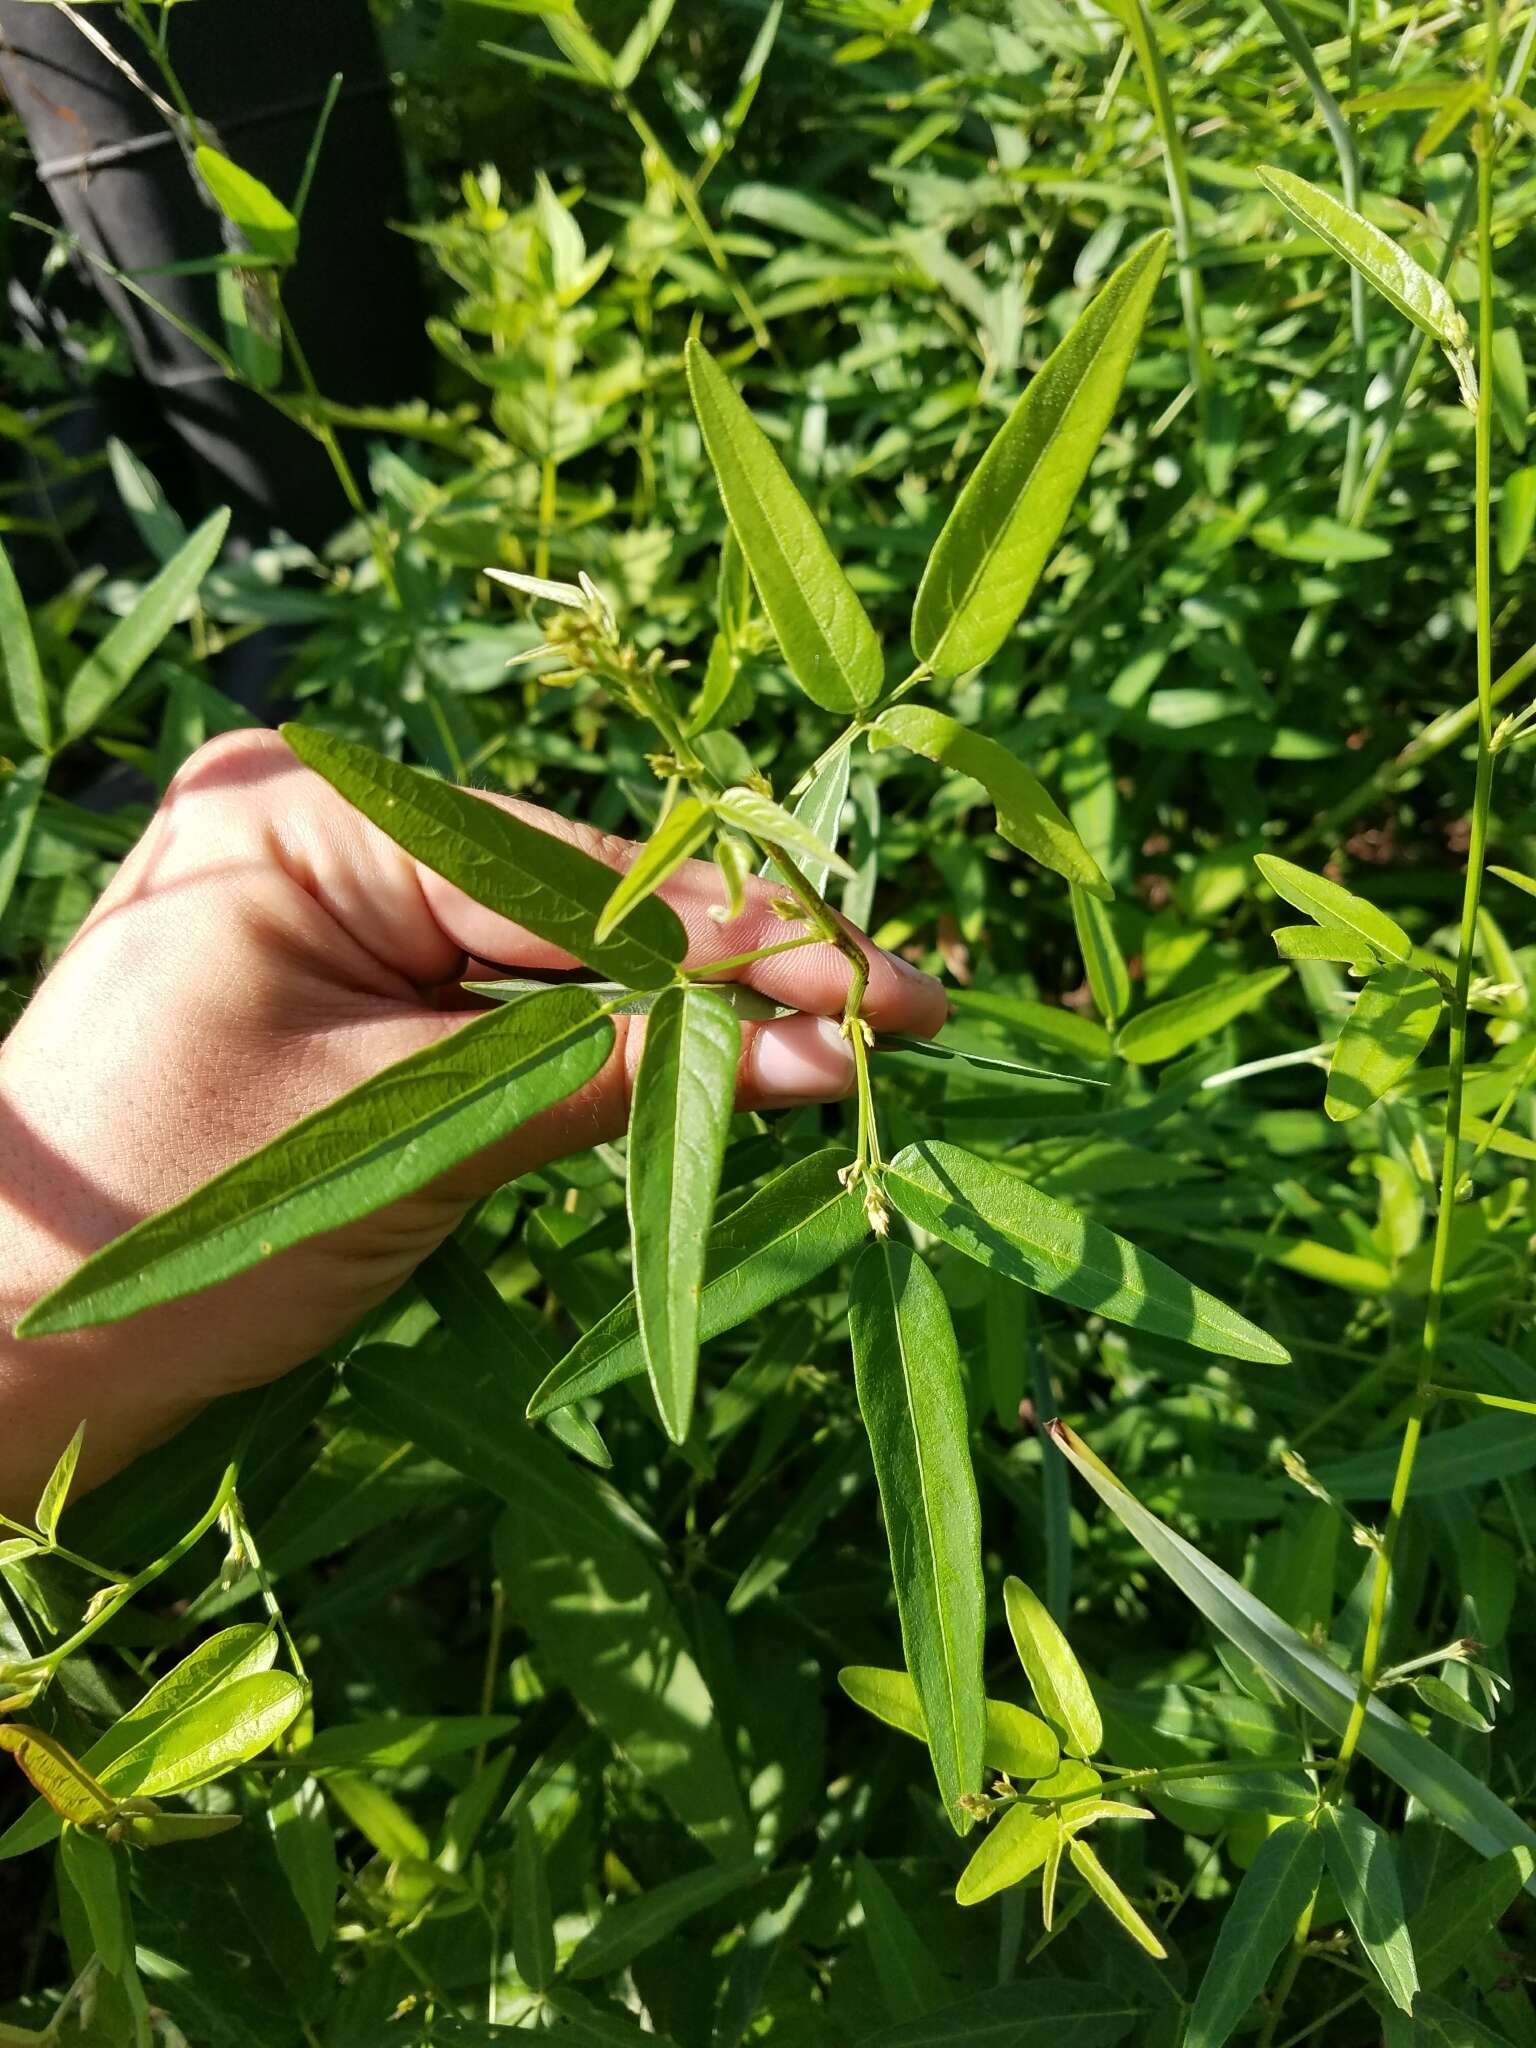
[899, 997]
[784, 1064]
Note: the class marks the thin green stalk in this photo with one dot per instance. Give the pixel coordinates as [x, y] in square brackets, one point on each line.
[1143, 34]
[688, 196]
[1450, 1173]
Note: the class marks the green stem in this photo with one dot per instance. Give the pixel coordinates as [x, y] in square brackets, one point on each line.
[688, 197]
[130, 1588]
[1450, 1171]
[1143, 33]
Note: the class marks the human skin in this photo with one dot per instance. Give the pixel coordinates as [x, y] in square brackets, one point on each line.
[261, 951]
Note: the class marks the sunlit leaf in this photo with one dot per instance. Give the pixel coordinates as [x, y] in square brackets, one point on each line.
[1055, 1676]
[1017, 1743]
[907, 1373]
[1026, 815]
[823, 629]
[1393, 1019]
[681, 833]
[684, 1093]
[524, 874]
[392, 1135]
[1005, 523]
[1332, 905]
[1168, 1029]
[998, 1219]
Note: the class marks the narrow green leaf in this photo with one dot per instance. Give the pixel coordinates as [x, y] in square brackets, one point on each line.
[1448, 1926]
[1026, 816]
[907, 1373]
[61, 1779]
[1055, 1676]
[27, 693]
[159, 525]
[1005, 523]
[1045, 1024]
[1361, 1864]
[1016, 1846]
[681, 833]
[395, 1742]
[1034, 2012]
[524, 874]
[306, 1850]
[627, 1931]
[1109, 979]
[820, 811]
[269, 229]
[1260, 1921]
[533, 1926]
[1442, 1698]
[1328, 903]
[20, 794]
[1323, 942]
[1098, 1879]
[56, 1491]
[1444, 1787]
[1417, 295]
[998, 1219]
[209, 1736]
[93, 1867]
[218, 1662]
[1168, 1029]
[123, 650]
[908, 1976]
[1392, 1020]
[1016, 1743]
[387, 1138]
[793, 1228]
[1517, 518]
[1513, 875]
[823, 629]
[492, 1330]
[770, 824]
[684, 1094]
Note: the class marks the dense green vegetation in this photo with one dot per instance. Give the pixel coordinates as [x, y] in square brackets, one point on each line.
[604, 1723]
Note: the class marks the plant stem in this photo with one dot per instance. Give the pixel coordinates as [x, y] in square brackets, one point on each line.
[1450, 1171]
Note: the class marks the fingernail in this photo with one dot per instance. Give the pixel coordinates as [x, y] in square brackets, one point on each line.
[802, 1059]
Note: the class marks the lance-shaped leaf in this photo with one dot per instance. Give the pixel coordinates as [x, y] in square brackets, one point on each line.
[998, 1219]
[1362, 1866]
[907, 1373]
[93, 1867]
[533, 1926]
[56, 1490]
[21, 792]
[1026, 815]
[1275, 1891]
[1323, 942]
[123, 650]
[681, 833]
[779, 1240]
[1017, 1743]
[1393, 1019]
[1168, 1029]
[208, 1736]
[823, 629]
[384, 1140]
[1417, 295]
[770, 824]
[909, 1978]
[1006, 521]
[529, 876]
[1055, 1676]
[25, 689]
[1109, 979]
[820, 811]
[684, 1094]
[214, 1665]
[1016, 1846]
[1446, 1788]
[1088, 1867]
[62, 1779]
[1329, 903]
[269, 229]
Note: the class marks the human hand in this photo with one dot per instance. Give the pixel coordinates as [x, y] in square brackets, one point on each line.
[261, 951]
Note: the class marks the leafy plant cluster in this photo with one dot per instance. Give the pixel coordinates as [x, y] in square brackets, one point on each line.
[1036, 1554]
